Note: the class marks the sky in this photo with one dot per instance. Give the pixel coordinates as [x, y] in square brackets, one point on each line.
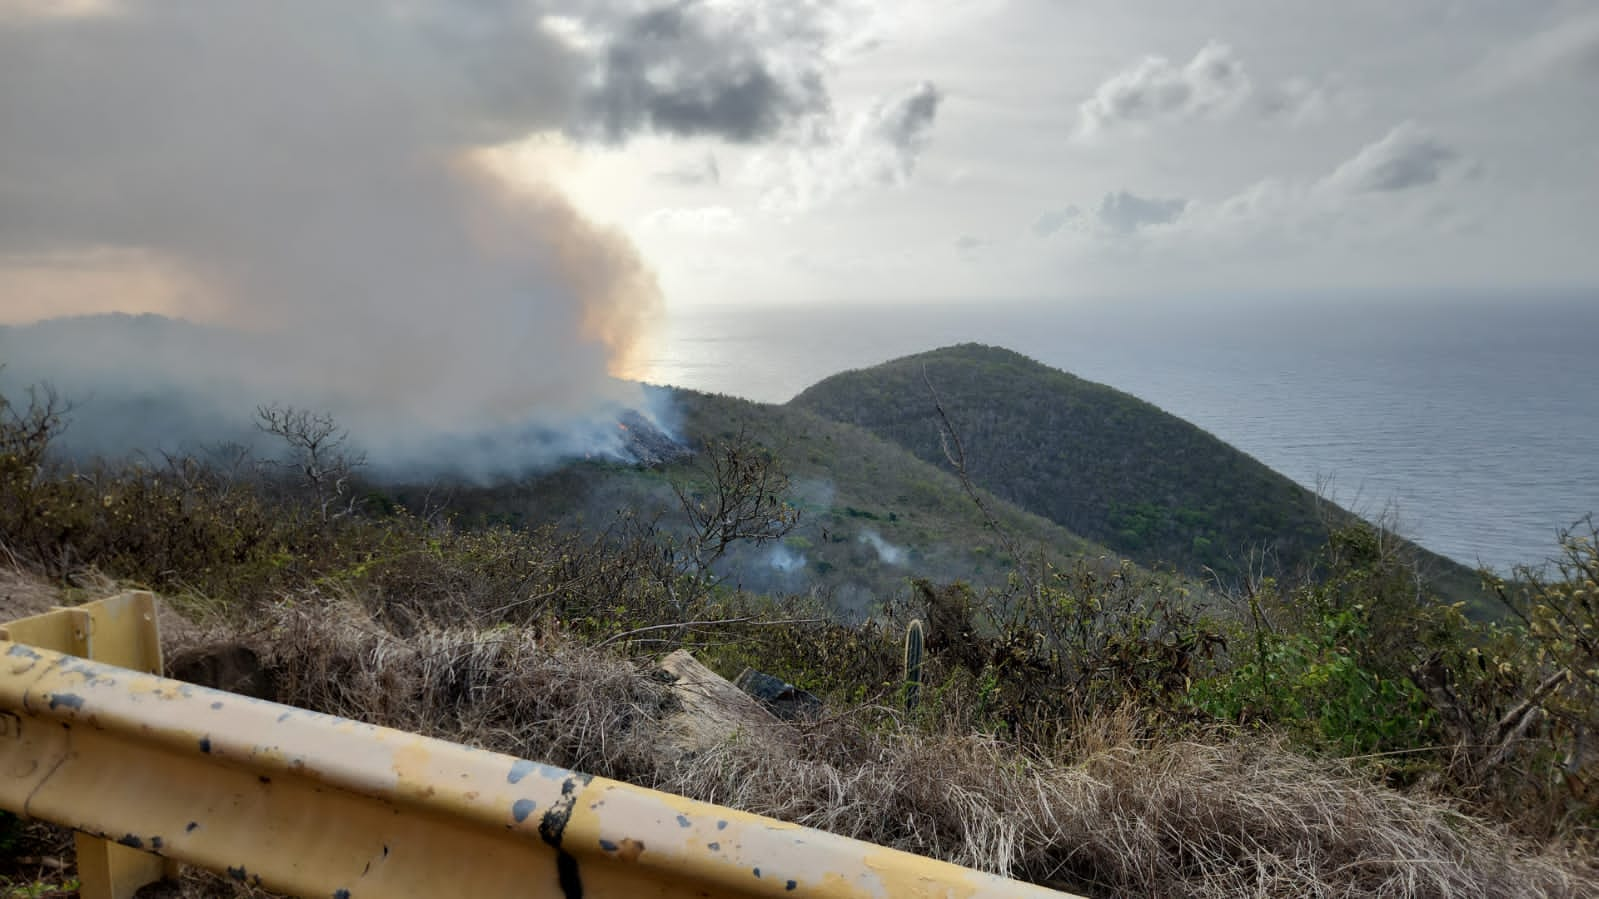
[1098, 150]
[252, 164]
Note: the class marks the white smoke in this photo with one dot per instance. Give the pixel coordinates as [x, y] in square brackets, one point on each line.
[887, 553]
[782, 559]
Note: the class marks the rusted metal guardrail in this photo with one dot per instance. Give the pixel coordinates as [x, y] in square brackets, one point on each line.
[313, 805]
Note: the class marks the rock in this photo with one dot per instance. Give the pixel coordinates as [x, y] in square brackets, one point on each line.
[233, 667]
[783, 699]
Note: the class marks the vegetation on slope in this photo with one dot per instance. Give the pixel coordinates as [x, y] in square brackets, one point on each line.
[1104, 464]
[1081, 726]
[870, 515]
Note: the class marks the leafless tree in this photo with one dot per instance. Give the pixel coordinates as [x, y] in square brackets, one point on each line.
[26, 430]
[741, 498]
[319, 453]
[949, 440]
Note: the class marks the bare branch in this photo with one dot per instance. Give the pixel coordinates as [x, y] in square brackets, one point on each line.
[955, 452]
[317, 451]
[743, 499]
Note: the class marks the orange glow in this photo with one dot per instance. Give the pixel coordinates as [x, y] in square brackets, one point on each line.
[621, 299]
[100, 281]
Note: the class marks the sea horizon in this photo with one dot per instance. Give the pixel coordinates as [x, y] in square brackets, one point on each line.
[1464, 419]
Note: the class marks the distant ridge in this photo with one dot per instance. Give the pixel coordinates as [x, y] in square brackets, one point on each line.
[1104, 464]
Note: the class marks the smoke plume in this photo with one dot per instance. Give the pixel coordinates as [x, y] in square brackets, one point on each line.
[310, 172]
[887, 553]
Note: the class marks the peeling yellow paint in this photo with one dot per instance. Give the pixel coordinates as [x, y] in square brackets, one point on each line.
[309, 804]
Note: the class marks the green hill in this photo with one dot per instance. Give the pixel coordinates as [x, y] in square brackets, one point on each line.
[872, 514]
[1102, 463]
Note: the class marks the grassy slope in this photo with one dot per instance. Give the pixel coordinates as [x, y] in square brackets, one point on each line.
[1102, 463]
[848, 484]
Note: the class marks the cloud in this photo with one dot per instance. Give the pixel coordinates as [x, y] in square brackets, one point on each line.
[1155, 89]
[902, 125]
[1125, 213]
[1214, 83]
[694, 220]
[1406, 157]
[1300, 100]
[1266, 200]
[1383, 197]
[1053, 220]
[704, 172]
[880, 147]
[1569, 49]
[739, 72]
[14, 11]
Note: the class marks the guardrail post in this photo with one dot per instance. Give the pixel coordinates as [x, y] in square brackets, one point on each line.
[118, 631]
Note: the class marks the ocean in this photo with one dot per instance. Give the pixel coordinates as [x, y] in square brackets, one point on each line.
[1474, 420]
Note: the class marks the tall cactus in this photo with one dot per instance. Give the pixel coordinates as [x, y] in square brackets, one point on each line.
[913, 664]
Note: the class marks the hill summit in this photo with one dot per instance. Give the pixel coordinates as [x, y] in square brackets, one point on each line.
[1104, 464]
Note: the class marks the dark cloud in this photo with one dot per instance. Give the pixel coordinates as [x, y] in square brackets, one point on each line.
[1124, 212]
[1405, 158]
[694, 69]
[905, 122]
[1052, 221]
[886, 143]
[880, 147]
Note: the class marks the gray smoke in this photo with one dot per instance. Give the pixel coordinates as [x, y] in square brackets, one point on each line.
[309, 168]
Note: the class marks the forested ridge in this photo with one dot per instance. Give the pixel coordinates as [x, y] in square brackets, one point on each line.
[1104, 464]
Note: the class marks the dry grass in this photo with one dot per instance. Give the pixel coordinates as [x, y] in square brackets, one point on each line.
[503, 689]
[1177, 819]
[22, 595]
[1106, 815]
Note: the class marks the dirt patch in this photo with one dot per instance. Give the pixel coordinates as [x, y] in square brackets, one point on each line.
[23, 595]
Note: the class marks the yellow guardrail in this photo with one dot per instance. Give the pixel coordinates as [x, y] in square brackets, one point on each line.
[119, 631]
[312, 805]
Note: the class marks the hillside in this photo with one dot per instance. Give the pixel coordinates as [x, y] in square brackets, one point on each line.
[1314, 755]
[1080, 466]
[1102, 463]
[871, 513]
